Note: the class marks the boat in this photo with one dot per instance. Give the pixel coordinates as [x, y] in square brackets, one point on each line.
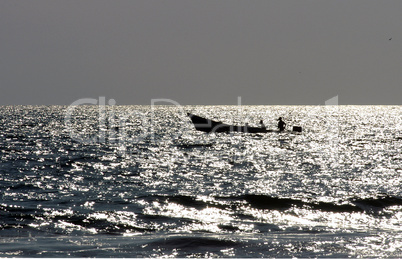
[207, 125]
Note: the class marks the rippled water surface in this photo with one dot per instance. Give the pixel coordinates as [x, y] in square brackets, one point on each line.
[137, 181]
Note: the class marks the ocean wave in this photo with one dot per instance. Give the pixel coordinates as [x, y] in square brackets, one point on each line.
[194, 145]
[376, 204]
[191, 243]
[266, 202]
[141, 220]
[368, 205]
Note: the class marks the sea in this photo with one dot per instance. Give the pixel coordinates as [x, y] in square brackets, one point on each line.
[141, 181]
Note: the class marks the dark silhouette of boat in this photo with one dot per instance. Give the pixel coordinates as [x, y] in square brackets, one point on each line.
[208, 125]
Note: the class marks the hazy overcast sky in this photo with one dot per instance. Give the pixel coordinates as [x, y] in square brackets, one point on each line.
[201, 52]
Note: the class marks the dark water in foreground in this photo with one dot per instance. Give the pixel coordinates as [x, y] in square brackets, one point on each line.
[78, 186]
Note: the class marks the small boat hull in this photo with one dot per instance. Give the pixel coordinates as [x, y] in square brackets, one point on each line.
[207, 125]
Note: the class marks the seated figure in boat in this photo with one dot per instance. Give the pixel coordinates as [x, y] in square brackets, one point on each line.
[262, 125]
[281, 124]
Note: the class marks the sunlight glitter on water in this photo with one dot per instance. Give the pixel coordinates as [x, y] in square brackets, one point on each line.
[339, 180]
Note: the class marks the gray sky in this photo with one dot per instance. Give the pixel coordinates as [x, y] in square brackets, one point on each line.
[201, 52]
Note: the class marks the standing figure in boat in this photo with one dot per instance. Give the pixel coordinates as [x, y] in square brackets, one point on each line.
[281, 124]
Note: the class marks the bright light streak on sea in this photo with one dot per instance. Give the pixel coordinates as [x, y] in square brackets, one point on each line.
[146, 183]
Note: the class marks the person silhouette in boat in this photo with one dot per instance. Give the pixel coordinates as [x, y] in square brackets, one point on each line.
[262, 125]
[281, 124]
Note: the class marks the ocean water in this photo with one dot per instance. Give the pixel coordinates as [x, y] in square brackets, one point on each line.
[140, 181]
